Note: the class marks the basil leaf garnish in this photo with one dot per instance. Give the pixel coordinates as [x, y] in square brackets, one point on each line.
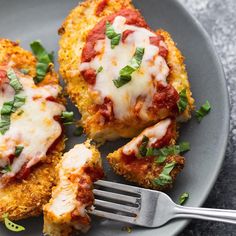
[18, 150]
[99, 69]
[6, 169]
[14, 81]
[183, 101]
[137, 58]
[19, 100]
[143, 146]
[183, 198]
[162, 153]
[44, 59]
[203, 111]
[126, 72]
[164, 177]
[11, 106]
[67, 117]
[112, 35]
[121, 81]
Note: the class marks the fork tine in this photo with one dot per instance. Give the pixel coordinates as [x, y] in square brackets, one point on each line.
[116, 196]
[112, 216]
[115, 206]
[123, 187]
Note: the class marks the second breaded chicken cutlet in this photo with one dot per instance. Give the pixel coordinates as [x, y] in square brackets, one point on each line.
[122, 76]
[31, 137]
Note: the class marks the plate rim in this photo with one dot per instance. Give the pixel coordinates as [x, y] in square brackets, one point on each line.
[226, 121]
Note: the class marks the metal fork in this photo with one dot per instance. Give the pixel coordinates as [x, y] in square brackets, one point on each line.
[146, 207]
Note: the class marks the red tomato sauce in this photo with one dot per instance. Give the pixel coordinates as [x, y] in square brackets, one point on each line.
[106, 109]
[3, 77]
[165, 141]
[165, 97]
[85, 195]
[100, 7]
[125, 34]
[133, 17]
[139, 163]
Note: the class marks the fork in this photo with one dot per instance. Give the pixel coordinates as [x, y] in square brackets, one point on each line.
[146, 207]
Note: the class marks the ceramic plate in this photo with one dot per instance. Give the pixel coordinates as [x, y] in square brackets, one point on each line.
[27, 20]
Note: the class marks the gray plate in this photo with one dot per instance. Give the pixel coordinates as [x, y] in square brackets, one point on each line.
[31, 19]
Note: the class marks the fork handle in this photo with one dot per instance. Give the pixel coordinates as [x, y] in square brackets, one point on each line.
[227, 216]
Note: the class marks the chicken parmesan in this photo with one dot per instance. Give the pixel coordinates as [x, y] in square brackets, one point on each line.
[152, 159]
[72, 195]
[121, 74]
[31, 137]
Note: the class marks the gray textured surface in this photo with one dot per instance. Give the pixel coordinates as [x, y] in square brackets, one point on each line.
[219, 19]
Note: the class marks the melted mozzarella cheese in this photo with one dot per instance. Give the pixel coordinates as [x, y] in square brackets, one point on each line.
[154, 134]
[32, 125]
[64, 195]
[153, 68]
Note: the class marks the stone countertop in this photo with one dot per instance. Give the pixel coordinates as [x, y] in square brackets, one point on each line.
[218, 17]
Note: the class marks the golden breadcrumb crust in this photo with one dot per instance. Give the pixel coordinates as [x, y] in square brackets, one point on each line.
[73, 33]
[25, 198]
[147, 173]
[61, 226]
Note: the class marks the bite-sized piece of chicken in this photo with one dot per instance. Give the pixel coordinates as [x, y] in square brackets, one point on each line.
[122, 76]
[152, 159]
[72, 196]
[31, 137]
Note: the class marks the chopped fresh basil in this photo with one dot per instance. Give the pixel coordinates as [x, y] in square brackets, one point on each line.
[11, 225]
[162, 153]
[14, 81]
[78, 131]
[4, 126]
[128, 229]
[5, 116]
[183, 101]
[11, 106]
[126, 72]
[7, 108]
[6, 169]
[115, 41]
[112, 35]
[99, 69]
[137, 58]
[19, 101]
[44, 59]
[184, 147]
[121, 81]
[18, 150]
[143, 146]
[160, 159]
[164, 177]
[183, 198]
[203, 111]
[67, 117]
[24, 71]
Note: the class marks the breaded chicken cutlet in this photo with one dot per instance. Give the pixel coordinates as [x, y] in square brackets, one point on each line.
[152, 159]
[122, 76]
[31, 137]
[72, 196]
